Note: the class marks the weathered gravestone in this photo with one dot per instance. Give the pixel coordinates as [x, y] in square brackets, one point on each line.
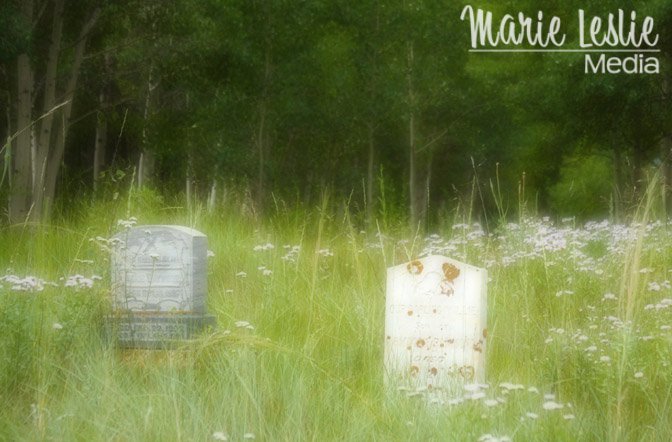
[435, 324]
[159, 286]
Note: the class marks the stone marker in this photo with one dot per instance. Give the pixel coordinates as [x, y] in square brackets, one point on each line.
[435, 324]
[159, 286]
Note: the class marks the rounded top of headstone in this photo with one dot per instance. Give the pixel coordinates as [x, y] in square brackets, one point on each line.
[166, 227]
[434, 260]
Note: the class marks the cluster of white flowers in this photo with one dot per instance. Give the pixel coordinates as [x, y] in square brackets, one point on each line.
[263, 247]
[127, 223]
[35, 284]
[325, 253]
[107, 245]
[25, 284]
[464, 236]
[244, 324]
[291, 253]
[80, 282]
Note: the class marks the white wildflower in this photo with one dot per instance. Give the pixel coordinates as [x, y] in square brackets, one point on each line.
[325, 252]
[653, 286]
[552, 405]
[509, 386]
[475, 387]
[244, 324]
[127, 223]
[491, 438]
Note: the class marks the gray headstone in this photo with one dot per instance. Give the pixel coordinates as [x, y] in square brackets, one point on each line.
[159, 285]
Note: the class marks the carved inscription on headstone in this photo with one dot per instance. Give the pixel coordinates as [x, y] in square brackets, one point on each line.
[435, 323]
[160, 269]
[159, 285]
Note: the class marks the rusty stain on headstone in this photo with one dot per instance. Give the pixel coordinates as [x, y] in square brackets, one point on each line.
[415, 267]
[450, 271]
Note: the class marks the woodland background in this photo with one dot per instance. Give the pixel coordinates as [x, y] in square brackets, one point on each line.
[376, 102]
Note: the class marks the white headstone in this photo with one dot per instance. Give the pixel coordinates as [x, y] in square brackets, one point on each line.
[160, 269]
[159, 286]
[435, 323]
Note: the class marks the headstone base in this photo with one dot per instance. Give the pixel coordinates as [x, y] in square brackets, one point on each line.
[155, 331]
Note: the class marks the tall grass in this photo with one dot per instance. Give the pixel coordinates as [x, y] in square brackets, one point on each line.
[311, 368]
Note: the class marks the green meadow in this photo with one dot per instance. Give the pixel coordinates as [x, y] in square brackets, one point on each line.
[579, 319]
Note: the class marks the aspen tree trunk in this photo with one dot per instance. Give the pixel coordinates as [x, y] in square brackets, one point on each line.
[189, 182]
[637, 171]
[412, 166]
[39, 146]
[618, 183]
[370, 170]
[212, 197]
[262, 135]
[370, 177]
[46, 124]
[21, 156]
[147, 160]
[21, 165]
[100, 143]
[55, 153]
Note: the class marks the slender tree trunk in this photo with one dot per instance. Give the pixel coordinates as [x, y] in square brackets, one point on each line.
[412, 166]
[55, 154]
[618, 183]
[46, 124]
[212, 197]
[100, 144]
[260, 147]
[21, 167]
[426, 191]
[638, 164]
[262, 135]
[370, 176]
[21, 175]
[373, 119]
[147, 160]
[189, 184]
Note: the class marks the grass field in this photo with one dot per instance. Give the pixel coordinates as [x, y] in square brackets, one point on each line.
[580, 320]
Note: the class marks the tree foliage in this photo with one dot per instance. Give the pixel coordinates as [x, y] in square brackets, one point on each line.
[283, 99]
